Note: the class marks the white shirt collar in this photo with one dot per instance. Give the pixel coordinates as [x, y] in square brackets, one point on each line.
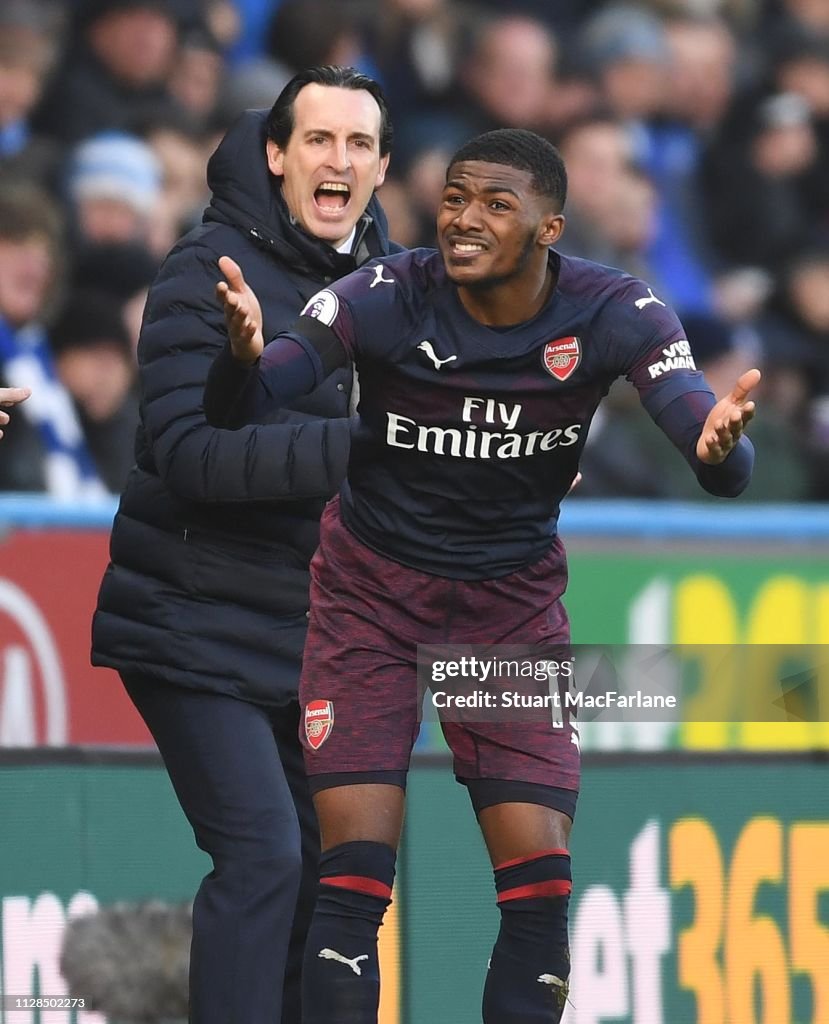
[346, 246]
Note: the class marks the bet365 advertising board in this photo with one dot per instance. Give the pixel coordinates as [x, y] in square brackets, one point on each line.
[701, 894]
[701, 886]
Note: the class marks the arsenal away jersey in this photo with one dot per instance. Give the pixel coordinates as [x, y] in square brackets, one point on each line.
[469, 436]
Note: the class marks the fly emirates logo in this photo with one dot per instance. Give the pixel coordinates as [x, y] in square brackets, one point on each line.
[474, 440]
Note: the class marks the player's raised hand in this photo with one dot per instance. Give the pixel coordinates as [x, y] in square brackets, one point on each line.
[243, 314]
[725, 423]
[10, 397]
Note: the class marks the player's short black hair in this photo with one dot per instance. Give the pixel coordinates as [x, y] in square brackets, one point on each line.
[280, 124]
[517, 147]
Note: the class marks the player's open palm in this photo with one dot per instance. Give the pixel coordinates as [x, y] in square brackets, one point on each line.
[243, 314]
[727, 420]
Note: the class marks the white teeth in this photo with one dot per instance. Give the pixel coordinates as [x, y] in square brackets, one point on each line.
[467, 247]
[334, 186]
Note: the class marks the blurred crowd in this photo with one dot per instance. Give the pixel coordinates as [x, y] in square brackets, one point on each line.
[695, 133]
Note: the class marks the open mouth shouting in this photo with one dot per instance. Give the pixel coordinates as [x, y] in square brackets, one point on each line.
[332, 197]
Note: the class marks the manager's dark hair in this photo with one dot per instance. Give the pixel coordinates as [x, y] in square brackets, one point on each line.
[280, 123]
[524, 150]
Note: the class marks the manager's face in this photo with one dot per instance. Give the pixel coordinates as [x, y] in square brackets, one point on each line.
[331, 164]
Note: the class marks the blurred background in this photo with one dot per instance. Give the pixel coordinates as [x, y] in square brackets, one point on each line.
[695, 132]
[696, 137]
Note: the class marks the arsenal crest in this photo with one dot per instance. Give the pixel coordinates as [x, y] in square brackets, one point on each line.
[319, 721]
[561, 357]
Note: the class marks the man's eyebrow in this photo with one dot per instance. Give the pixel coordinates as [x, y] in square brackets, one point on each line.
[489, 189]
[328, 133]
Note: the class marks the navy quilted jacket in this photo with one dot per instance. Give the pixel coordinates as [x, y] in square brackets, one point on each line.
[207, 585]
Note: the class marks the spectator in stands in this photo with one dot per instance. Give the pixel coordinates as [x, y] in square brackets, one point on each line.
[759, 175]
[45, 448]
[248, 44]
[197, 76]
[118, 63]
[306, 33]
[182, 149]
[516, 72]
[598, 155]
[562, 15]
[628, 50]
[699, 90]
[509, 75]
[400, 212]
[115, 186]
[416, 44]
[95, 363]
[124, 271]
[250, 86]
[27, 50]
[795, 337]
[808, 17]
[800, 65]
[630, 226]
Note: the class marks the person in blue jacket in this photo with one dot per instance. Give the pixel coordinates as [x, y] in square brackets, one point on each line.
[202, 609]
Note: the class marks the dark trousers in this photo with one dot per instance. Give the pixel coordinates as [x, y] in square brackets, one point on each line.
[237, 770]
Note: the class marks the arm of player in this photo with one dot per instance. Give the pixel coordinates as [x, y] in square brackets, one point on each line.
[248, 378]
[183, 330]
[8, 398]
[710, 435]
[724, 425]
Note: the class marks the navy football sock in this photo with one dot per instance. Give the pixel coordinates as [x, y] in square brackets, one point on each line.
[527, 978]
[341, 974]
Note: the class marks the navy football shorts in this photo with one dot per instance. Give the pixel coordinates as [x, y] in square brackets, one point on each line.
[359, 692]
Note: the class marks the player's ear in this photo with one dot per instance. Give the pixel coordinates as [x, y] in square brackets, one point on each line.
[276, 157]
[550, 229]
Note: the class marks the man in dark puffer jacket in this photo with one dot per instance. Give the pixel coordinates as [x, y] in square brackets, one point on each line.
[203, 607]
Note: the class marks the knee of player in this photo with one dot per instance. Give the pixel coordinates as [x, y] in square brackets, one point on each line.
[546, 873]
[361, 871]
[533, 894]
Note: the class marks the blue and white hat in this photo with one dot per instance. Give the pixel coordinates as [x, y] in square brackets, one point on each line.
[115, 165]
